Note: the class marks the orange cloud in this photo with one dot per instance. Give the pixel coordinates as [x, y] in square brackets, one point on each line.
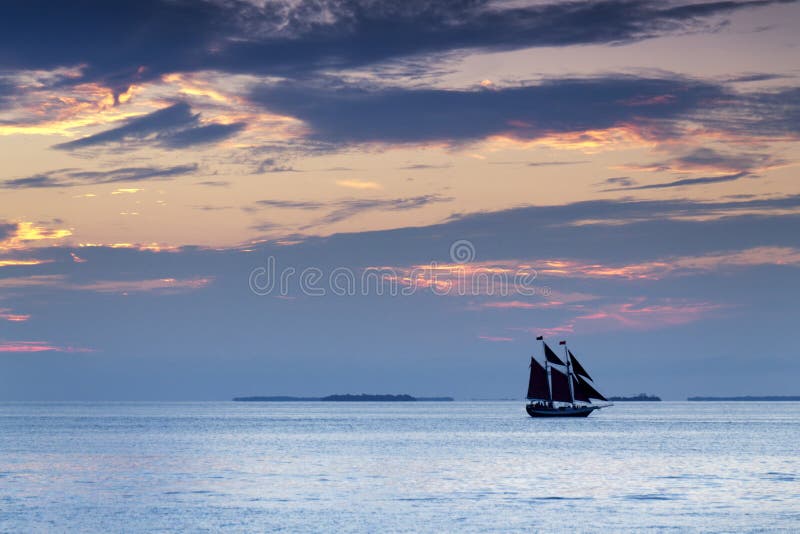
[28, 232]
[620, 137]
[60, 113]
[9, 262]
[6, 314]
[152, 247]
[358, 184]
[76, 258]
[30, 281]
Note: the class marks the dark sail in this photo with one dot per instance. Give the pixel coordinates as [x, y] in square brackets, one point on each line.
[580, 394]
[560, 386]
[577, 367]
[537, 385]
[551, 356]
[588, 391]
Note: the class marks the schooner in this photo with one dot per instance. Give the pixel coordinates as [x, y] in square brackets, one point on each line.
[556, 393]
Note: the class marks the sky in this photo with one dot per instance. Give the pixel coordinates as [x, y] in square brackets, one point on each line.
[208, 199]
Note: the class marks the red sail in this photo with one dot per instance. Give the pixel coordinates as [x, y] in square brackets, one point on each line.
[588, 391]
[551, 356]
[537, 384]
[560, 386]
[580, 394]
[577, 367]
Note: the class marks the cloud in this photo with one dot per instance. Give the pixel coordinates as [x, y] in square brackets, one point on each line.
[26, 233]
[423, 166]
[172, 127]
[638, 313]
[163, 120]
[709, 159]
[159, 285]
[349, 207]
[273, 165]
[496, 339]
[706, 180]
[73, 177]
[346, 209]
[727, 166]
[7, 315]
[619, 181]
[291, 204]
[358, 184]
[343, 114]
[553, 163]
[133, 41]
[201, 135]
[37, 346]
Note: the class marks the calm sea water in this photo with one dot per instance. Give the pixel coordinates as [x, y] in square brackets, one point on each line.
[431, 467]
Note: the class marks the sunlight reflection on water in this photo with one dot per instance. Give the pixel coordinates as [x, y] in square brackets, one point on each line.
[397, 467]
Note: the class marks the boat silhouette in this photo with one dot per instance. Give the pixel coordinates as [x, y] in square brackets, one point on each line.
[556, 393]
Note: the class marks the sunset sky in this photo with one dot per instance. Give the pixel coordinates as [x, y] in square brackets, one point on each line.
[637, 160]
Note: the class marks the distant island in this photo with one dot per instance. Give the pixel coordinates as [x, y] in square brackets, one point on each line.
[641, 397]
[346, 398]
[766, 398]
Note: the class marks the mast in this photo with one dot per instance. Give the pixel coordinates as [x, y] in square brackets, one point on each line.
[569, 372]
[547, 368]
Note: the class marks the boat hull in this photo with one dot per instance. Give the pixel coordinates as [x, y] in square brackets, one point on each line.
[567, 411]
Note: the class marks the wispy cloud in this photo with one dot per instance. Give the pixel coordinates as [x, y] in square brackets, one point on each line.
[172, 127]
[345, 209]
[423, 167]
[358, 184]
[726, 166]
[705, 180]
[496, 339]
[273, 165]
[157, 285]
[7, 314]
[636, 314]
[350, 207]
[38, 346]
[73, 177]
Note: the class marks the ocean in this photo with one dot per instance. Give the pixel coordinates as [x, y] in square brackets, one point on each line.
[397, 467]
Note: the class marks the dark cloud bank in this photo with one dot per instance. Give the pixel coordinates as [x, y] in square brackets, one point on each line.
[122, 42]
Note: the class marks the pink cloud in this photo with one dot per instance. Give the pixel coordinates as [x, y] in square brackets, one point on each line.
[517, 304]
[496, 339]
[37, 346]
[524, 276]
[633, 315]
[162, 285]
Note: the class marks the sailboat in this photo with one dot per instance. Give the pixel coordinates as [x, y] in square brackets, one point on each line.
[556, 393]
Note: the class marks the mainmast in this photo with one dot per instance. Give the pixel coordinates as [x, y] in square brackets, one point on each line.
[547, 368]
[569, 372]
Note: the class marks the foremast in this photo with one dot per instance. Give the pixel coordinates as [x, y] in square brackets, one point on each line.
[569, 373]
